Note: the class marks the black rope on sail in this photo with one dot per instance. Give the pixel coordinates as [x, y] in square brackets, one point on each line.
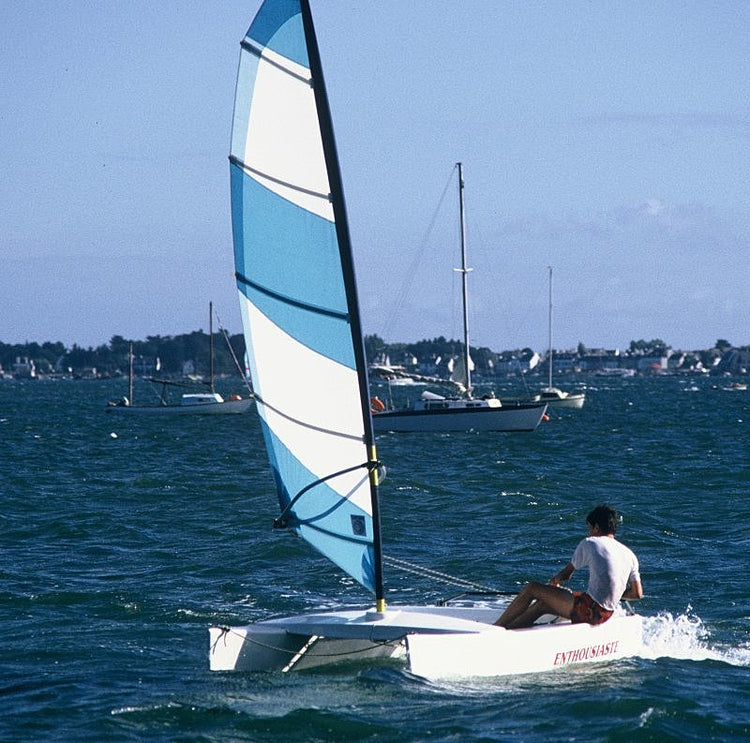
[280, 522]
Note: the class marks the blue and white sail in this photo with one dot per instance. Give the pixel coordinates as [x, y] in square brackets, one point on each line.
[298, 295]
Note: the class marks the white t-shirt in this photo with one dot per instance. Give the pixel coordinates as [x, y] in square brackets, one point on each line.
[611, 567]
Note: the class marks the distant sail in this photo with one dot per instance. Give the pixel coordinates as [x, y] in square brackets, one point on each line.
[458, 375]
[297, 293]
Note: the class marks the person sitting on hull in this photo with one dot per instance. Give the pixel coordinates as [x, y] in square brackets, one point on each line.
[613, 575]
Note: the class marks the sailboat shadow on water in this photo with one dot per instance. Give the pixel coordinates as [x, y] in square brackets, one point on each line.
[298, 299]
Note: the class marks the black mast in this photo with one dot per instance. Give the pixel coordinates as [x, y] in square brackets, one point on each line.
[345, 251]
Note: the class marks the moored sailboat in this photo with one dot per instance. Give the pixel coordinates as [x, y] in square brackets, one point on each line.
[554, 396]
[463, 412]
[298, 294]
[190, 403]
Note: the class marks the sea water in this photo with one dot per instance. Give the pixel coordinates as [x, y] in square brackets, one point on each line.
[125, 538]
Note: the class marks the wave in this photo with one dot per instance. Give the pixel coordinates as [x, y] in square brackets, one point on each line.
[686, 637]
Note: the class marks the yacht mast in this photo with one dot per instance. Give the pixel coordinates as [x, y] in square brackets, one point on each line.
[464, 284]
[549, 329]
[211, 345]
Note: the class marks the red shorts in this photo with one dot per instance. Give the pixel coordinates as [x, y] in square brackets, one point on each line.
[585, 609]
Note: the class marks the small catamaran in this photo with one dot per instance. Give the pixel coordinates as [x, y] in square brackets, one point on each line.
[298, 296]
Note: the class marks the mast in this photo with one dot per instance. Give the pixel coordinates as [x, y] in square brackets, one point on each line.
[549, 330]
[130, 373]
[464, 274]
[211, 344]
[342, 230]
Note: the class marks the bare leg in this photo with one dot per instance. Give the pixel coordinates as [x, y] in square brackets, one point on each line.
[536, 610]
[518, 606]
[534, 600]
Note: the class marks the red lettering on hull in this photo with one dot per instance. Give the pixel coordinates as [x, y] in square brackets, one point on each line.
[589, 652]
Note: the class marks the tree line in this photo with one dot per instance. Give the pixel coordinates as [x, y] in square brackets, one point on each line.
[173, 352]
[112, 359]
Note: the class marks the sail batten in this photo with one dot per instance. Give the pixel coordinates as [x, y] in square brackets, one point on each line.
[285, 184]
[295, 282]
[290, 300]
[278, 62]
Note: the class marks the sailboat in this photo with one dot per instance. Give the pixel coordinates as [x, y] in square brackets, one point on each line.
[553, 396]
[437, 413]
[298, 294]
[190, 403]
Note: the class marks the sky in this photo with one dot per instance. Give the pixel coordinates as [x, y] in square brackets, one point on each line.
[608, 140]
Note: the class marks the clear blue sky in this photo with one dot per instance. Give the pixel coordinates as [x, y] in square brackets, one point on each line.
[608, 139]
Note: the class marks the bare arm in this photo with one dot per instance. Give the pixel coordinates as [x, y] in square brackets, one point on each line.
[634, 590]
[563, 575]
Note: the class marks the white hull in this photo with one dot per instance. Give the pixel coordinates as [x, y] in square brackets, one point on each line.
[433, 642]
[615, 373]
[460, 417]
[533, 650]
[227, 407]
[573, 401]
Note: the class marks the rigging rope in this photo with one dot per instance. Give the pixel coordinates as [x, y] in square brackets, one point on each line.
[410, 567]
[234, 357]
[412, 272]
[280, 521]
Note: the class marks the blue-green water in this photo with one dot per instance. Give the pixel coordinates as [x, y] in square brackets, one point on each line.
[123, 539]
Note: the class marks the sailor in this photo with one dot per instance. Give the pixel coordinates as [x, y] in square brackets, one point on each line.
[613, 575]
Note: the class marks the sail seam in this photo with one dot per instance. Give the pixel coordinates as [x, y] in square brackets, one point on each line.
[257, 51]
[293, 302]
[248, 169]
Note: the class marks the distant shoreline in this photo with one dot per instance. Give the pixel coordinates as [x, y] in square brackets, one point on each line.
[188, 355]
